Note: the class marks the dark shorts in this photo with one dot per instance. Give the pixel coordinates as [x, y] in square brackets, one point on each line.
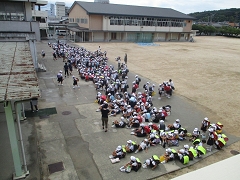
[60, 79]
[210, 142]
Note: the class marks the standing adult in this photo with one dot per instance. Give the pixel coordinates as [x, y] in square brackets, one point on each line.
[65, 67]
[34, 102]
[125, 58]
[105, 111]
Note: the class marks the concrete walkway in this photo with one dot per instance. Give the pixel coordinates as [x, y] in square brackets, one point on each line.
[74, 135]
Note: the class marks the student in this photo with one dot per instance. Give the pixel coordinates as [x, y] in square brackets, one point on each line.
[170, 155]
[134, 164]
[143, 146]
[118, 153]
[183, 158]
[131, 146]
[152, 162]
[119, 124]
[43, 54]
[75, 82]
[60, 78]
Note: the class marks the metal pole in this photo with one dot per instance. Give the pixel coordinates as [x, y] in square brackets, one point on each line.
[20, 136]
[13, 139]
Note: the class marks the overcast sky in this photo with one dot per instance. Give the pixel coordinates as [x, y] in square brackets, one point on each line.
[184, 6]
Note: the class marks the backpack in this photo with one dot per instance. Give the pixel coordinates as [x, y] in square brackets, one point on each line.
[156, 159]
[139, 79]
[144, 86]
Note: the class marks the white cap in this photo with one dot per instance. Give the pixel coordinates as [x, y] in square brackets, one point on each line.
[142, 125]
[60, 71]
[128, 106]
[195, 129]
[186, 146]
[181, 151]
[148, 161]
[122, 118]
[129, 141]
[152, 136]
[133, 158]
[161, 121]
[136, 76]
[168, 150]
[176, 132]
[206, 119]
[105, 102]
[210, 129]
[146, 140]
[109, 94]
[177, 120]
[119, 148]
[150, 124]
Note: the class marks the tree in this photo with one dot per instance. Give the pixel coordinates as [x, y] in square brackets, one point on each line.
[198, 27]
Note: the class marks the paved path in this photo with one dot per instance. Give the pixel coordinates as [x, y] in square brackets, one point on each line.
[77, 139]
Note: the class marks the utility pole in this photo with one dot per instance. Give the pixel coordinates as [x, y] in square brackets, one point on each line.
[211, 17]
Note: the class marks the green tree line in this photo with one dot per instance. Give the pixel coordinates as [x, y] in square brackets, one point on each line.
[230, 15]
[209, 30]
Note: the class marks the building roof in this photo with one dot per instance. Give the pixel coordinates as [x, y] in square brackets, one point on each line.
[18, 78]
[129, 10]
[222, 170]
[41, 3]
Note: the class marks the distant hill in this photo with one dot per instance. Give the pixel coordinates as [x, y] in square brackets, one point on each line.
[230, 15]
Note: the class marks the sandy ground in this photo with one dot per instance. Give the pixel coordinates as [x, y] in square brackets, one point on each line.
[206, 73]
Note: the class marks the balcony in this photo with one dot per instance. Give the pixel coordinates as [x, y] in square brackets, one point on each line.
[43, 25]
[36, 13]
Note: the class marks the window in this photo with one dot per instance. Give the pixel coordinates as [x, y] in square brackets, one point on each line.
[12, 11]
[82, 21]
[71, 20]
[143, 21]
[77, 20]
[113, 36]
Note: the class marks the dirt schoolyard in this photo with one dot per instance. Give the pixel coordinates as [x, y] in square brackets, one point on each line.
[206, 73]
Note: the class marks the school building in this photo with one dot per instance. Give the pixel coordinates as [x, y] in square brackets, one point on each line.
[104, 22]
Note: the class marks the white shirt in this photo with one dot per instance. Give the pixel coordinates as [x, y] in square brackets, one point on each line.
[143, 145]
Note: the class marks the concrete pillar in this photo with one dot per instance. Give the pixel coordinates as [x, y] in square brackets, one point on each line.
[28, 11]
[21, 112]
[13, 139]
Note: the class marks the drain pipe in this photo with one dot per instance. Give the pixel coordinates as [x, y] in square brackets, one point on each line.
[20, 137]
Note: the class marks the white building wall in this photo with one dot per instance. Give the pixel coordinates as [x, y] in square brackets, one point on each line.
[60, 9]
